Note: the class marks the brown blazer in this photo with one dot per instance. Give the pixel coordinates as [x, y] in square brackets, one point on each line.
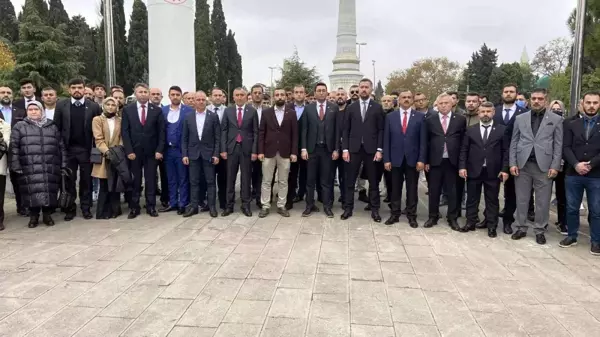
[101, 132]
[273, 139]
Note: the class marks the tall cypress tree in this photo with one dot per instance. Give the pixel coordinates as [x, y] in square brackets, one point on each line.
[219, 28]
[79, 33]
[206, 70]
[137, 48]
[120, 44]
[234, 64]
[9, 27]
[42, 9]
[57, 14]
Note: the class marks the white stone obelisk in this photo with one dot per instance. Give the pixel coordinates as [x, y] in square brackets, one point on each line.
[171, 57]
[346, 66]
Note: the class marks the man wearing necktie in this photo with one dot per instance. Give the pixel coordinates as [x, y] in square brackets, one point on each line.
[143, 133]
[217, 107]
[239, 146]
[362, 143]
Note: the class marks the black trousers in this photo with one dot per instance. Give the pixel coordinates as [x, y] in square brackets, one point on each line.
[2, 190]
[221, 172]
[491, 190]
[320, 168]
[14, 180]
[108, 202]
[256, 179]
[387, 178]
[510, 200]
[443, 176]
[400, 175]
[202, 170]
[352, 172]
[164, 182]
[561, 197]
[78, 160]
[340, 167]
[239, 161]
[36, 210]
[147, 165]
[297, 179]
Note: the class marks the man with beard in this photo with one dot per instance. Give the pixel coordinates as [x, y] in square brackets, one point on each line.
[120, 97]
[277, 147]
[256, 94]
[387, 102]
[89, 93]
[217, 107]
[362, 178]
[339, 164]
[73, 118]
[362, 144]
[320, 144]
[28, 93]
[297, 176]
[472, 116]
[582, 162]
[505, 115]
[483, 162]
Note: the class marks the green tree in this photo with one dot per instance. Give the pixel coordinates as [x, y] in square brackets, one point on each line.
[234, 64]
[79, 33]
[294, 72]
[431, 76]
[219, 29]
[121, 60]
[42, 53]
[9, 26]
[57, 14]
[137, 47]
[41, 6]
[206, 68]
[479, 69]
[502, 75]
[552, 57]
[379, 91]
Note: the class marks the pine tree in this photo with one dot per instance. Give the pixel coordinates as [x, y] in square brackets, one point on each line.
[206, 70]
[477, 75]
[9, 27]
[120, 45]
[42, 53]
[79, 33]
[378, 90]
[42, 9]
[234, 64]
[219, 28]
[57, 14]
[137, 48]
[294, 72]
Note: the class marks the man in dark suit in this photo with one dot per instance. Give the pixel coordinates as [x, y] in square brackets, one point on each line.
[277, 147]
[239, 146]
[73, 117]
[200, 145]
[218, 100]
[27, 92]
[484, 162]
[505, 115]
[297, 177]
[404, 156]
[442, 137]
[319, 141]
[143, 132]
[362, 141]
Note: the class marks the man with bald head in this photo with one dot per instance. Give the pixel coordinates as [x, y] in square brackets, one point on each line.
[156, 97]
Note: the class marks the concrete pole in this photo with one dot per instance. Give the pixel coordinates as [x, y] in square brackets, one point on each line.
[109, 43]
[577, 56]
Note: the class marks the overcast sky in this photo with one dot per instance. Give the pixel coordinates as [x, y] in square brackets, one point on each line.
[397, 32]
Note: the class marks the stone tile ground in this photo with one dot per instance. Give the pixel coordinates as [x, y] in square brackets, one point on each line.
[295, 276]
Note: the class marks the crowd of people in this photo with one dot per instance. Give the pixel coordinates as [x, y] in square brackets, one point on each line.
[304, 142]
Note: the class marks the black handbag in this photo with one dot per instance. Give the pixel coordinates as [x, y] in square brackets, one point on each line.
[65, 199]
[95, 156]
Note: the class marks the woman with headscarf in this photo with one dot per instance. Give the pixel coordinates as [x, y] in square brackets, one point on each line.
[107, 134]
[558, 107]
[38, 156]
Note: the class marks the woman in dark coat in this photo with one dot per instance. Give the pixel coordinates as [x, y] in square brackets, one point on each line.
[38, 156]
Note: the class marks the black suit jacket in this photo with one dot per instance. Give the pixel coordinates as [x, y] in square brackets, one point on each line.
[143, 140]
[20, 103]
[17, 116]
[62, 119]
[368, 133]
[308, 134]
[577, 149]
[433, 138]
[249, 130]
[499, 120]
[494, 152]
[209, 145]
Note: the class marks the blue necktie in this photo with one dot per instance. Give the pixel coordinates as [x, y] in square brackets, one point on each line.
[507, 116]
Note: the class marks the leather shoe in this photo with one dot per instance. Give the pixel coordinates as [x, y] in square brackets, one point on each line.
[540, 239]
[454, 225]
[492, 232]
[283, 212]
[180, 210]
[392, 220]
[204, 208]
[468, 227]
[227, 212]
[152, 212]
[47, 220]
[33, 221]
[166, 209]
[430, 223]
[508, 228]
[519, 234]
[263, 213]
[87, 215]
[246, 211]
[190, 211]
[310, 210]
[328, 212]
[375, 216]
[133, 213]
[213, 213]
[346, 215]
[69, 216]
[413, 223]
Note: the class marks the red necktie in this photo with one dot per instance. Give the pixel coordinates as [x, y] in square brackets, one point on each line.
[321, 113]
[404, 122]
[143, 120]
[239, 120]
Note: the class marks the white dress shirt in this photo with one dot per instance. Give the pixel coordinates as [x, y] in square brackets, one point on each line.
[200, 118]
[512, 111]
[258, 111]
[408, 112]
[49, 113]
[279, 112]
[482, 131]
[237, 108]
[173, 115]
[364, 104]
[139, 108]
[219, 110]
[73, 100]
[111, 128]
[445, 155]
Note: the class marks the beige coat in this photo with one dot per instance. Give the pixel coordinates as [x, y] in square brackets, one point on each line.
[5, 130]
[101, 132]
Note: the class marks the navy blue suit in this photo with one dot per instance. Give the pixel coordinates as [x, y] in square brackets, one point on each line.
[403, 151]
[177, 173]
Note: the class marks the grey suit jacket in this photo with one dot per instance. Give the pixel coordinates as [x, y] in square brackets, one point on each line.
[547, 143]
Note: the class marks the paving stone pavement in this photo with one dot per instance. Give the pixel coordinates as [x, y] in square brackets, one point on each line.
[240, 276]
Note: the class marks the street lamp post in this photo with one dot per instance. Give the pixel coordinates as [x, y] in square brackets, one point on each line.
[373, 72]
[271, 89]
[109, 43]
[577, 55]
[228, 91]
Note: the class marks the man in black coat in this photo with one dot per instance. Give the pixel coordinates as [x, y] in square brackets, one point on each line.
[73, 117]
[239, 146]
[362, 143]
[200, 150]
[442, 137]
[143, 132]
[28, 92]
[484, 162]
